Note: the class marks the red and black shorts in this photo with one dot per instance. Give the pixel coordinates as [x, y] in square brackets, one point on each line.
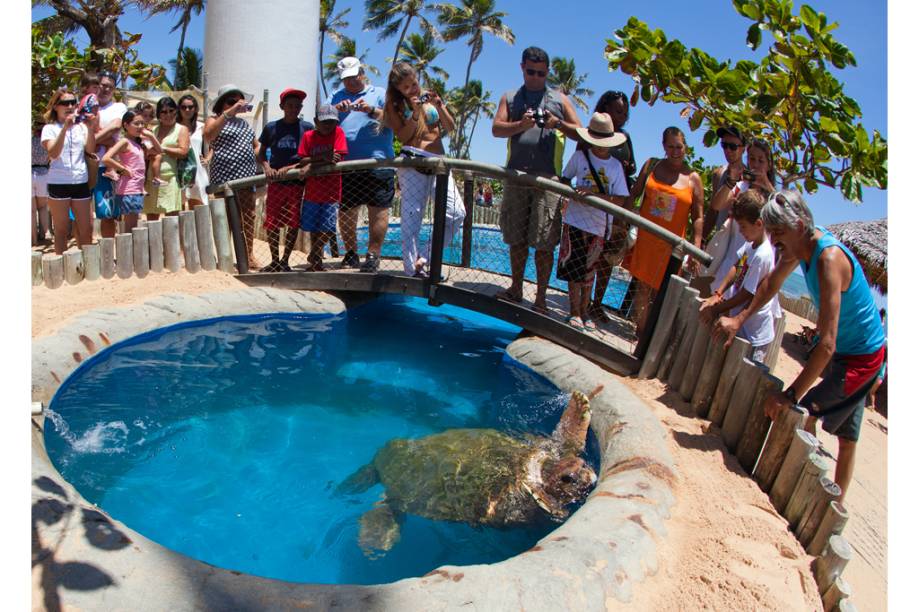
[282, 205]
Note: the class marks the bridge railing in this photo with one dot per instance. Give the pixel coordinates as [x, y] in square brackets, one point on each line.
[435, 228]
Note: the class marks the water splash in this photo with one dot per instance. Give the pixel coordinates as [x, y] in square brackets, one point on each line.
[102, 438]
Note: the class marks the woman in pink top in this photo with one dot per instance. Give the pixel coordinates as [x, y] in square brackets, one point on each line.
[127, 158]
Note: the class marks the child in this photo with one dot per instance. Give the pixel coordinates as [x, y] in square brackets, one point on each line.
[584, 228]
[154, 154]
[323, 145]
[126, 160]
[755, 260]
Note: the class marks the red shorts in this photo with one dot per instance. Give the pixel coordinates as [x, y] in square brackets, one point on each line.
[282, 206]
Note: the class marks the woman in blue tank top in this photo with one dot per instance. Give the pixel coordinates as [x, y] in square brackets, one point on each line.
[852, 339]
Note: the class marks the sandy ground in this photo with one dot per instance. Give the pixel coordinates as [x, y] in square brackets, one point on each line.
[727, 549]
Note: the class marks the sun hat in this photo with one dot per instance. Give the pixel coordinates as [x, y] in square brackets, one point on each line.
[730, 130]
[600, 132]
[349, 67]
[326, 112]
[224, 92]
[290, 91]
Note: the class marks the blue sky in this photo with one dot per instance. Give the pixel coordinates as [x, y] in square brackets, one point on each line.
[862, 27]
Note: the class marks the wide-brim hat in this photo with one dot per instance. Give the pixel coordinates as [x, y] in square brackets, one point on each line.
[226, 90]
[600, 132]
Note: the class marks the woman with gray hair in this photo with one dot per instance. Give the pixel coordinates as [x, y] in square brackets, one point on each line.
[852, 338]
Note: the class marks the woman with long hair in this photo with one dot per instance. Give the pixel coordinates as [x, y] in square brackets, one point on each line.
[671, 195]
[419, 119]
[68, 141]
[194, 194]
[166, 198]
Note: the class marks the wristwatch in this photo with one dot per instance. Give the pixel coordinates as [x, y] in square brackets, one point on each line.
[791, 395]
[225, 114]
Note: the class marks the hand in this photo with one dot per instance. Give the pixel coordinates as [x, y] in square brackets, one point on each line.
[237, 108]
[336, 157]
[707, 313]
[69, 121]
[361, 106]
[435, 100]
[584, 191]
[692, 266]
[775, 403]
[727, 327]
[553, 122]
[527, 121]
[148, 135]
[417, 105]
[343, 107]
[270, 173]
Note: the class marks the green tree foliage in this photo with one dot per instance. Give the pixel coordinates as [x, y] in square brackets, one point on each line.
[421, 51]
[190, 71]
[347, 48]
[99, 18]
[331, 25]
[790, 97]
[564, 76]
[470, 101]
[391, 16]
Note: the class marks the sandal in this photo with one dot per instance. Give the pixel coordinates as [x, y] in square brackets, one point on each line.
[575, 323]
[589, 325]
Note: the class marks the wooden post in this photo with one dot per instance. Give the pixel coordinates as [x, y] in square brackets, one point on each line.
[830, 565]
[155, 238]
[826, 492]
[73, 267]
[772, 354]
[741, 403]
[738, 351]
[709, 375]
[52, 270]
[802, 445]
[757, 425]
[171, 244]
[700, 344]
[833, 522]
[92, 261]
[36, 268]
[682, 355]
[838, 591]
[679, 330]
[663, 328]
[205, 232]
[189, 238]
[141, 244]
[776, 446]
[124, 255]
[108, 257]
[814, 469]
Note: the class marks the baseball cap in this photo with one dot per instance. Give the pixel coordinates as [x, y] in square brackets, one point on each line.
[325, 112]
[292, 92]
[730, 130]
[348, 67]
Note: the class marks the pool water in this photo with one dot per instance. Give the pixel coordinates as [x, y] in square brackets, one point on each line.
[224, 440]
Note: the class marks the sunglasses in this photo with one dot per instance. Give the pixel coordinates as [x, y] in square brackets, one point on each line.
[187, 107]
[539, 73]
[168, 111]
[71, 102]
[730, 146]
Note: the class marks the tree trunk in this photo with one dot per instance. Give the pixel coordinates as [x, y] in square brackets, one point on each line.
[395, 57]
[180, 74]
[325, 92]
[461, 120]
[475, 122]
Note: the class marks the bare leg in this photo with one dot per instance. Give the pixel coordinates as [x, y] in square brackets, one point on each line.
[519, 254]
[810, 425]
[154, 169]
[845, 466]
[274, 237]
[604, 271]
[379, 223]
[641, 304]
[60, 215]
[82, 215]
[108, 227]
[130, 222]
[544, 261]
[152, 216]
[574, 299]
[34, 221]
[290, 240]
[347, 223]
[44, 217]
[585, 299]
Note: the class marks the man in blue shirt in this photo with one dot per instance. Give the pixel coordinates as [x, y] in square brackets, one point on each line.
[852, 338]
[360, 110]
[278, 154]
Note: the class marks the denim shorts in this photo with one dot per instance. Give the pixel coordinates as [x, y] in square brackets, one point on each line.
[129, 204]
[318, 217]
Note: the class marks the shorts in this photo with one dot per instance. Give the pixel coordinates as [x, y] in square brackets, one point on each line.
[530, 216]
[839, 399]
[316, 217]
[375, 188]
[129, 204]
[76, 191]
[39, 182]
[282, 205]
[578, 255]
[104, 197]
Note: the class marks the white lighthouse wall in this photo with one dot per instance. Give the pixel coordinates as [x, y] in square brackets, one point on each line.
[262, 44]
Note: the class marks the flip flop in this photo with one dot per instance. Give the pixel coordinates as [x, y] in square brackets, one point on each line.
[589, 325]
[506, 296]
[575, 323]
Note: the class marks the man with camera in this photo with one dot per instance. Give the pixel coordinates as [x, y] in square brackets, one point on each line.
[536, 119]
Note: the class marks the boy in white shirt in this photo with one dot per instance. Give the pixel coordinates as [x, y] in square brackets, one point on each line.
[586, 229]
[756, 259]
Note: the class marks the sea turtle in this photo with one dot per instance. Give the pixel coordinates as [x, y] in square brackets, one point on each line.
[477, 476]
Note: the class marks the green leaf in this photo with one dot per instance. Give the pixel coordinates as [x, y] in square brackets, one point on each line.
[810, 18]
[810, 185]
[828, 125]
[696, 120]
[710, 138]
[754, 36]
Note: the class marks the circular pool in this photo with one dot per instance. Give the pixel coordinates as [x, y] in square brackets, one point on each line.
[225, 439]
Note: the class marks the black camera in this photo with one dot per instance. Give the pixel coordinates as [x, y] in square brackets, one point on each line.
[425, 97]
[540, 115]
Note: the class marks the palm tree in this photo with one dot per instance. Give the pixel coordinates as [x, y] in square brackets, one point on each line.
[329, 25]
[473, 19]
[391, 16]
[98, 17]
[186, 10]
[565, 78]
[347, 48]
[470, 101]
[420, 52]
[192, 69]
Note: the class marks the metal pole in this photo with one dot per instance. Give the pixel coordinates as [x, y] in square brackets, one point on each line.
[236, 227]
[437, 232]
[673, 267]
[204, 145]
[264, 108]
[469, 202]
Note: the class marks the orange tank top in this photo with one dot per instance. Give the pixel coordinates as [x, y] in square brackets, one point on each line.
[666, 205]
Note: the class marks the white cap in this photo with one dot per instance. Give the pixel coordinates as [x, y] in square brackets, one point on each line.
[348, 67]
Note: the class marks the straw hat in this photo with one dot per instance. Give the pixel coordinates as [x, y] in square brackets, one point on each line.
[226, 90]
[600, 132]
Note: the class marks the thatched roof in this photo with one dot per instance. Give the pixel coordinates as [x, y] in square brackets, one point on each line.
[868, 242]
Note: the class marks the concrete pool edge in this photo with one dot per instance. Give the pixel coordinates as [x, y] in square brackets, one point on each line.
[83, 558]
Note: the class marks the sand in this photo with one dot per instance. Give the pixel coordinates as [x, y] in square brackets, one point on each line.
[727, 549]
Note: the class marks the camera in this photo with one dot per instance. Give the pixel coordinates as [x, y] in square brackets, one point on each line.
[248, 108]
[540, 115]
[425, 97]
[748, 176]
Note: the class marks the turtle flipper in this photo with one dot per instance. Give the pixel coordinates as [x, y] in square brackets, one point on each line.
[379, 531]
[359, 481]
[571, 431]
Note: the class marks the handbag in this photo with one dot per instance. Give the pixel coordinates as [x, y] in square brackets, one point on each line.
[187, 169]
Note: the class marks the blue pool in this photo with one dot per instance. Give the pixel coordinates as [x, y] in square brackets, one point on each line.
[225, 439]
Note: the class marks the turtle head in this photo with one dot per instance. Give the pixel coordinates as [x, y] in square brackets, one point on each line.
[567, 480]
[571, 431]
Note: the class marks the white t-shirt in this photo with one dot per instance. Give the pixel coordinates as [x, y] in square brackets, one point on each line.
[755, 265]
[69, 168]
[111, 112]
[735, 241]
[581, 215]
